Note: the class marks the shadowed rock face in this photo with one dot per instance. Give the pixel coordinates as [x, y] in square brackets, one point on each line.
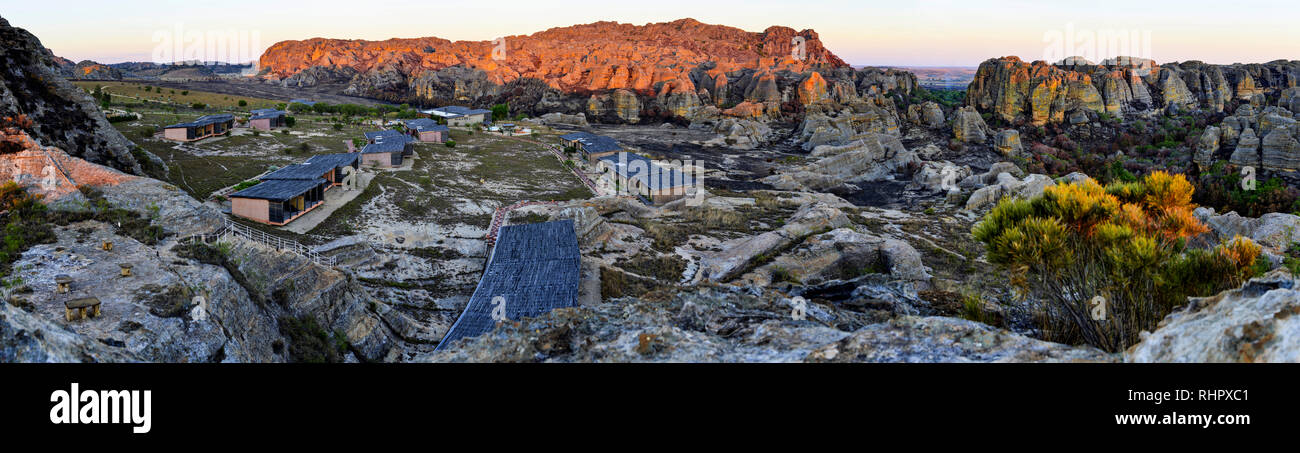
[1041, 93]
[63, 115]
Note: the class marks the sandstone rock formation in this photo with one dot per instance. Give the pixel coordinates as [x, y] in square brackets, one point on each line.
[680, 65]
[1008, 142]
[1259, 322]
[969, 127]
[1040, 93]
[62, 115]
[871, 157]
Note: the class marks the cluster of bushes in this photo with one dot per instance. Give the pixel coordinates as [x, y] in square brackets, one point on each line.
[310, 343]
[1220, 187]
[28, 222]
[24, 224]
[1111, 261]
[946, 98]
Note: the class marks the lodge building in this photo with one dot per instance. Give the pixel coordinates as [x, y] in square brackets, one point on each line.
[199, 129]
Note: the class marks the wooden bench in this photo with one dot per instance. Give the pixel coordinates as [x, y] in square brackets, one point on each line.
[126, 269]
[86, 307]
[108, 246]
[63, 282]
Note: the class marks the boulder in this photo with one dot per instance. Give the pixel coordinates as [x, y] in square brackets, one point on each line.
[1280, 150]
[1259, 322]
[969, 127]
[1206, 146]
[871, 157]
[1008, 186]
[1247, 152]
[739, 255]
[1008, 142]
[939, 339]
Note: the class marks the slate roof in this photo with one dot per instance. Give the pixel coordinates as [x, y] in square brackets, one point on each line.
[593, 143]
[426, 125]
[303, 101]
[534, 269]
[298, 171]
[387, 134]
[204, 121]
[385, 146]
[266, 113]
[453, 111]
[279, 189]
[339, 160]
[656, 177]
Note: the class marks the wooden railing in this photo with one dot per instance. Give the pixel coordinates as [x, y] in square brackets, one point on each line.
[234, 229]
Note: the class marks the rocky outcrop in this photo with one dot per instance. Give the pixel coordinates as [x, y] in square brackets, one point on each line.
[717, 325]
[1259, 322]
[1008, 142]
[844, 253]
[739, 257]
[845, 126]
[1275, 231]
[89, 70]
[61, 114]
[678, 65]
[1036, 92]
[1040, 93]
[560, 119]
[620, 106]
[1280, 149]
[937, 339]
[1207, 146]
[969, 127]
[319, 75]
[1007, 186]
[871, 157]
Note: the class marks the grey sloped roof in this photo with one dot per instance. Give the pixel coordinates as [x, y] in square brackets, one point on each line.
[380, 135]
[303, 102]
[636, 166]
[386, 146]
[204, 121]
[534, 269]
[460, 111]
[279, 189]
[266, 113]
[298, 171]
[334, 160]
[594, 143]
[426, 125]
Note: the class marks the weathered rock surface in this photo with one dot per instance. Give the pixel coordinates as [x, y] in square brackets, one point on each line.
[736, 258]
[969, 127]
[1041, 93]
[1008, 142]
[938, 339]
[1259, 322]
[62, 115]
[715, 325]
[871, 157]
[1008, 186]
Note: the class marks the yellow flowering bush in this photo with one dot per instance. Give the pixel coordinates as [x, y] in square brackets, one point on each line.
[1111, 261]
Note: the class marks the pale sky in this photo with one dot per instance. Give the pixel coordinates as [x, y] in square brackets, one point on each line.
[862, 32]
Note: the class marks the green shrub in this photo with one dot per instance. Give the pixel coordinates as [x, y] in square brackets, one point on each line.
[1110, 261]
